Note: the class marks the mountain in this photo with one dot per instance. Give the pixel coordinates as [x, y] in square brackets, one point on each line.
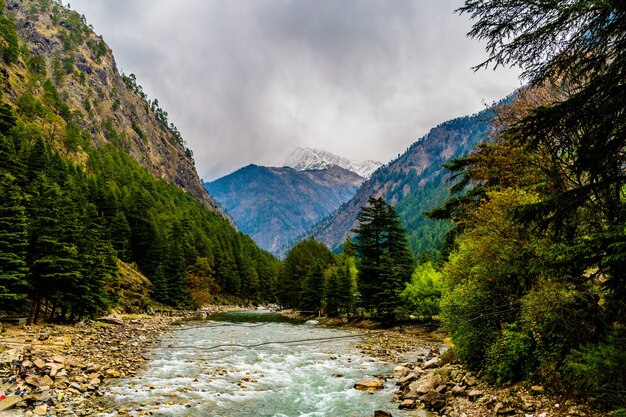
[99, 188]
[415, 182]
[303, 159]
[113, 108]
[277, 205]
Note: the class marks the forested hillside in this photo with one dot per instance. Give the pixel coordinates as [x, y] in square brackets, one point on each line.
[415, 182]
[94, 174]
[278, 205]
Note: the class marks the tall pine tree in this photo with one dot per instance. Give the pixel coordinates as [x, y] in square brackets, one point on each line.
[384, 260]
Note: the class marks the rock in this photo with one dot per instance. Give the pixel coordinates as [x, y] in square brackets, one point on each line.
[537, 390]
[111, 320]
[34, 381]
[426, 384]
[407, 404]
[400, 371]
[40, 363]
[372, 385]
[407, 378]
[470, 380]
[431, 364]
[382, 413]
[434, 401]
[41, 410]
[474, 394]
[59, 359]
[10, 402]
[458, 390]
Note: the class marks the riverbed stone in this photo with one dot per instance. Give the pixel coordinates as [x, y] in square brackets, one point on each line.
[41, 410]
[474, 394]
[431, 363]
[407, 404]
[400, 371]
[370, 385]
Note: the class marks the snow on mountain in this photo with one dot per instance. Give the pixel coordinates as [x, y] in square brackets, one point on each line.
[303, 159]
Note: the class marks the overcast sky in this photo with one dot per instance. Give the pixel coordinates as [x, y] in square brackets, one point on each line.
[247, 81]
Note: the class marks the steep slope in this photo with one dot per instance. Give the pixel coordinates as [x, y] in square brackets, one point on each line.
[108, 106]
[304, 159]
[276, 205]
[414, 182]
[92, 174]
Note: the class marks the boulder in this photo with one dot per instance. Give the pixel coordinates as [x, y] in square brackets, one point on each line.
[426, 384]
[382, 413]
[111, 320]
[470, 380]
[537, 390]
[433, 401]
[41, 410]
[407, 404]
[407, 378]
[10, 402]
[458, 390]
[474, 394]
[431, 363]
[400, 371]
[371, 385]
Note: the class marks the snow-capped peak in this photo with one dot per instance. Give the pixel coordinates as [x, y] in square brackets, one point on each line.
[314, 159]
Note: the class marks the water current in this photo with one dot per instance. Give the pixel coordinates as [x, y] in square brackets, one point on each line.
[254, 364]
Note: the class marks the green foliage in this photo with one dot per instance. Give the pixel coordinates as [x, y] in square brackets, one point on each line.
[37, 66]
[312, 294]
[13, 242]
[534, 284]
[8, 40]
[300, 263]
[384, 260]
[600, 369]
[421, 296]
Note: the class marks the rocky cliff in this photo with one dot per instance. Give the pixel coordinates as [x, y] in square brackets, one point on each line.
[57, 44]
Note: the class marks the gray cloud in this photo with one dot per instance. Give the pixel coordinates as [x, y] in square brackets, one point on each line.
[247, 81]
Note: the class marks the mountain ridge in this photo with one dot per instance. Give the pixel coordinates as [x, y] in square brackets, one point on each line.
[414, 182]
[274, 205]
[303, 159]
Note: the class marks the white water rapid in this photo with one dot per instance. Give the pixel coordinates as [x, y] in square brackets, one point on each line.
[198, 370]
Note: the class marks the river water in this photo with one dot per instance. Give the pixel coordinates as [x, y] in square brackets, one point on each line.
[254, 364]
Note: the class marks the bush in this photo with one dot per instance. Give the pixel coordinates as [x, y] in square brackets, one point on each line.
[599, 369]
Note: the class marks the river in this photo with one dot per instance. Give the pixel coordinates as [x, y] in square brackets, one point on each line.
[254, 364]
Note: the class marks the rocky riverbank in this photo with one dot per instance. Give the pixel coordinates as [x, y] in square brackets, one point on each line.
[61, 370]
[426, 380]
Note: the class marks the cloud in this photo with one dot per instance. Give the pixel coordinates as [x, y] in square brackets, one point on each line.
[247, 81]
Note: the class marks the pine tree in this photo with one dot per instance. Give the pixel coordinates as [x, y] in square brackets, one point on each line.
[384, 259]
[52, 252]
[312, 289]
[13, 244]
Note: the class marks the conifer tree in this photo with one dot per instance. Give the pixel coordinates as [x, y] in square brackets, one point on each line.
[13, 243]
[312, 289]
[384, 260]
